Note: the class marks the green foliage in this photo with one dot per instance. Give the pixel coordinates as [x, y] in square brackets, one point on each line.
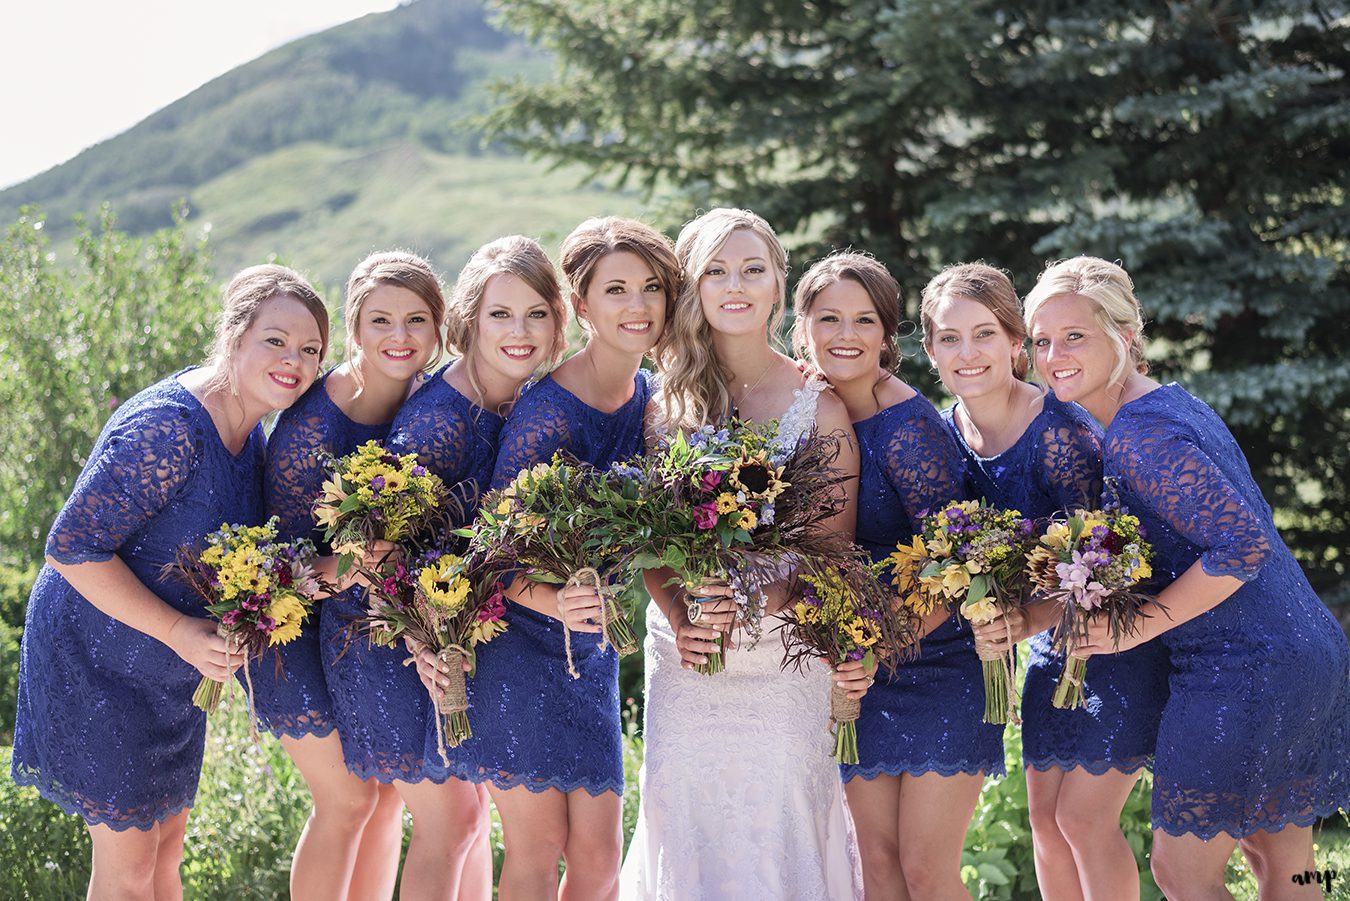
[1203, 145]
[15, 583]
[76, 343]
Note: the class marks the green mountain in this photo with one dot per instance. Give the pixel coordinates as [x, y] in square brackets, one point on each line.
[332, 146]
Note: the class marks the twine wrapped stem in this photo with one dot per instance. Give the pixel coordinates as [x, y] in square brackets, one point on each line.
[844, 712]
[1000, 675]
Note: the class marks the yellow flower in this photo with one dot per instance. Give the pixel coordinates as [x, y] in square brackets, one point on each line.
[1057, 536]
[980, 612]
[285, 608]
[352, 548]
[325, 514]
[1141, 571]
[284, 633]
[955, 579]
[504, 507]
[756, 477]
[444, 584]
[940, 545]
[726, 503]
[749, 520]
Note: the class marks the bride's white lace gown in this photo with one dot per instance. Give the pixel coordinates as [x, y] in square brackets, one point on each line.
[741, 796]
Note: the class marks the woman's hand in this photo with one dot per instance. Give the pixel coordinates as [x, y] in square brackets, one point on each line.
[579, 607]
[196, 641]
[1002, 633]
[854, 678]
[1099, 640]
[431, 669]
[715, 614]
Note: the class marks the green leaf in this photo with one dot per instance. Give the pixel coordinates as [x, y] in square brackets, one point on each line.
[979, 587]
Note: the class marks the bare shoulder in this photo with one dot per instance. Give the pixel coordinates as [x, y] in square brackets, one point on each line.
[891, 391]
[832, 415]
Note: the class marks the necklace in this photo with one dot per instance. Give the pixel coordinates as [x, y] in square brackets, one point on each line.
[735, 411]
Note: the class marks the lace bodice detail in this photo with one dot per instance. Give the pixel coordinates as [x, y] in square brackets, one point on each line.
[311, 429]
[910, 465]
[800, 417]
[451, 435]
[549, 418]
[1056, 464]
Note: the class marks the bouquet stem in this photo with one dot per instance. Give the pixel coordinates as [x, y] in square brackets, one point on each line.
[618, 631]
[208, 694]
[452, 707]
[844, 721]
[716, 661]
[1069, 690]
[995, 691]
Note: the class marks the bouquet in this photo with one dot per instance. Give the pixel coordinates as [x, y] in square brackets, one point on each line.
[1090, 563]
[727, 504]
[971, 554]
[545, 524]
[258, 588]
[440, 604]
[371, 495]
[841, 614]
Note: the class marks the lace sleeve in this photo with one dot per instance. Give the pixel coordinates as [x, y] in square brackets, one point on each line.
[530, 436]
[1071, 466]
[295, 473]
[137, 468]
[924, 465]
[1165, 467]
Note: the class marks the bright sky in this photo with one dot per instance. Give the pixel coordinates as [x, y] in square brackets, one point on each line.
[76, 72]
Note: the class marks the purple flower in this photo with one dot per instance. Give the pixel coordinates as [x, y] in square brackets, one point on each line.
[710, 480]
[705, 515]
[231, 617]
[419, 471]
[377, 484]
[251, 602]
[266, 624]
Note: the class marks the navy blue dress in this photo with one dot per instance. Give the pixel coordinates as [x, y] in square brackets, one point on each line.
[1255, 734]
[1056, 465]
[297, 702]
[384, 714]
[927, 715]
[536, 725]
[106, 728]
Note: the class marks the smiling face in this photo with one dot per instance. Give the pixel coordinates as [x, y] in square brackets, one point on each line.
[515, 330]
[625, 303]
[395, 332]
[972, 352]
[1074, 355]
[739, 288]
[844, 334]
[277, 357]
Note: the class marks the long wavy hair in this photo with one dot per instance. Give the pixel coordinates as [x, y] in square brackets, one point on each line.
[695, 385]
[1111, 291]
[401, 269]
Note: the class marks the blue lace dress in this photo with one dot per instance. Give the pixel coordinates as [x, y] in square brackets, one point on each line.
[926, 715]
[106, 728]
[297, 702]
[536, 725]
[384, 714]
[1056, 464]
[1256, 732]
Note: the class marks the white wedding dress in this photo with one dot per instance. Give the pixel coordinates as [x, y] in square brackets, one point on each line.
[740, 794]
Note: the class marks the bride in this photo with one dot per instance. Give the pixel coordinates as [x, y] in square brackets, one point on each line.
[740, 794]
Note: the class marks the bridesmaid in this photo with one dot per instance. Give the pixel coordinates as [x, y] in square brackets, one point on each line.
[1030, 451]
[111, 652]
[393, 314]
[559, 790]
[1254, 742]
[923, 748]
[503, 323]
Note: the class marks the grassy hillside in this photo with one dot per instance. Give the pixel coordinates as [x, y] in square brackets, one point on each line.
[334, 145]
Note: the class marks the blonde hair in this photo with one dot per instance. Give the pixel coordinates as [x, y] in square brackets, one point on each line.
[403, 270]
[694, 383]
[596, 238]
[989, 287]
[1117, 311]
[872, 276]
[513, 255]
[243, 298]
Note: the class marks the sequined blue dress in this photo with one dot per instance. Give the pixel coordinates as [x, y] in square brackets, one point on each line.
[536, 725]
[384, 714]
[297, 702]
[1055, 465]
[106, 728]
[928, 716]
[1255, 734]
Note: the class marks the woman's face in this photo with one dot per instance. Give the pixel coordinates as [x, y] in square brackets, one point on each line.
[844, 334]
[625, 303]
[971, 350]
[515, 330]
[738, 288]
[277, 358]
[395, 332]
[1074, 356]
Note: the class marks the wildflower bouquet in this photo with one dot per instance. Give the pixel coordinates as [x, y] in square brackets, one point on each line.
[440, 604]
[841, 614]
[371, 495]
[258, 588]
[1090, 563]
[728, 504]
[970, 554]
[544, 525]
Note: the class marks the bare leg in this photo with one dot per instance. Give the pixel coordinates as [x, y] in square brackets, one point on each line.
[169, 858]
[594, 847]
[1189, 869]
[1056, 871]
[445, 825]
[1088, 813]
[1276, 857]
[935, 812]
[535, 829]
[875, 805]
[125, 864]
[376, 870]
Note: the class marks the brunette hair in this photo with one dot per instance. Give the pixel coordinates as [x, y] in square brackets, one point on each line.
[872, 276]
[991, 288]
[404, 270]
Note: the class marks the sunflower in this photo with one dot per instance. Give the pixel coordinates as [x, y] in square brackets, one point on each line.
[759, 479]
